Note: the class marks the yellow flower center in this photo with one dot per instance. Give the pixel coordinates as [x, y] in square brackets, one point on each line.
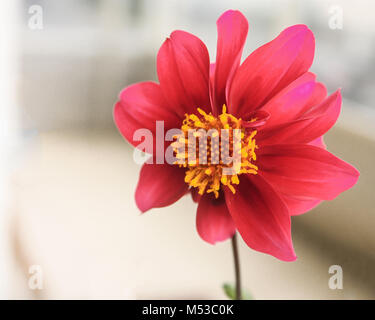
[225, 149]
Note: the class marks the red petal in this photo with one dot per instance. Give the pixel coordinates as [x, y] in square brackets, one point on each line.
[311, 126]
[159, 185]
[261, 217]
[270, 68]
[318, 142]
[318, 95]
[294, 100]
[211, 85]
[140, 106]
[289, 104]
[305, 171]
[232, 28]
[261, 117]
[183, 69]
[299, 205]
[214, 222]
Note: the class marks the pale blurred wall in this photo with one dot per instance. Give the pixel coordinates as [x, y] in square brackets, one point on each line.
[9, 138]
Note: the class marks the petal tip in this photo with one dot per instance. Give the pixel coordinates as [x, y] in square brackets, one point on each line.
[141, 205]
[231, 12]
[292, 259]
[233, 15]
[300, 30]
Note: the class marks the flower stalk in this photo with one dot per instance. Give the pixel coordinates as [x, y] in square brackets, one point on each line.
[237, 272]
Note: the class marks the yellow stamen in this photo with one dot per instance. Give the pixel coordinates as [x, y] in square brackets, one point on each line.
[208, 176]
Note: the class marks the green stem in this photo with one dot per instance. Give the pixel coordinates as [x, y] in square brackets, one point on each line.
[236, 259]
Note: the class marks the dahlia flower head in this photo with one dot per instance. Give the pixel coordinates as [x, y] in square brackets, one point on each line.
[282, 113]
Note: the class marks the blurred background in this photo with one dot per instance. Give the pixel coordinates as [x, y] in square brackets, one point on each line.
[68, 221]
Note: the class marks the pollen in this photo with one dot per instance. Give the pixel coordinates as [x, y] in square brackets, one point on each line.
[215, 151]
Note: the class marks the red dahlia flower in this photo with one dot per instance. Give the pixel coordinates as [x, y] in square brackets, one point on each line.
[283, 113]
